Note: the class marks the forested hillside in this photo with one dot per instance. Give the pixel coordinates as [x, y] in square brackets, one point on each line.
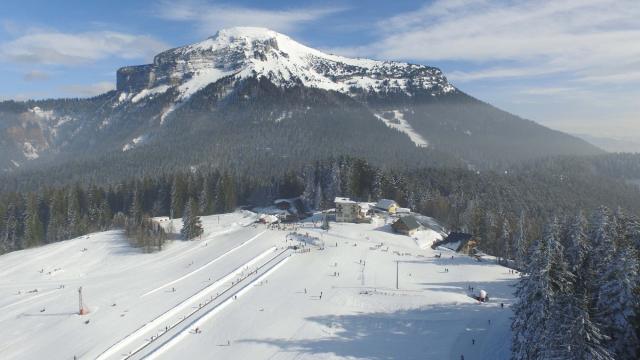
[506, 211]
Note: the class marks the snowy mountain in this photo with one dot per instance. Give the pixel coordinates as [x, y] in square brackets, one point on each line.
[253, 97]
[241, 53]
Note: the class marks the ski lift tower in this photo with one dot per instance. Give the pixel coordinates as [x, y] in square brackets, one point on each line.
[83, 310]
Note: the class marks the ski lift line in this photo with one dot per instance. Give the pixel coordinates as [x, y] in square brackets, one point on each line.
[202, 267]
[128, 339]
[212, 312]
[185, 303]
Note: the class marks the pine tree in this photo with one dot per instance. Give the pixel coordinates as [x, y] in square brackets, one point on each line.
[519, 242]
[578, 337]
[104, 215]
[135, 209]
[578, 244]
[178, 196]
[226, 194]
[191, 224]
[505, 241]
[33, 227]
[619, 304]
[73, 223]
[538, 291]
[11, 228]
[204, 198]
[600, 258]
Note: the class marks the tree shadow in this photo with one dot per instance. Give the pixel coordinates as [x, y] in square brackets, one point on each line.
[422, 333]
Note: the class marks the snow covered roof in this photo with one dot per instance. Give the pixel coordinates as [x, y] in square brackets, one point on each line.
[343, 200]
[385, 204]
[409, 221]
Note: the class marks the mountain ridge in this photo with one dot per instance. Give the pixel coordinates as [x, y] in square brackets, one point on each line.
[249, 82]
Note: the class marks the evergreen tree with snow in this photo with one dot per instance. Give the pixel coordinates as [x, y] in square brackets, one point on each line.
[618, 303]
[578, 245]
[600, 259]
[578, 338]
[505, 241]
[537, 292]
[191, 224]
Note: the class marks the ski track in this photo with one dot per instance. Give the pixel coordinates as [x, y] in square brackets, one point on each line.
[203, 266]
[211, 313]
[176, 309]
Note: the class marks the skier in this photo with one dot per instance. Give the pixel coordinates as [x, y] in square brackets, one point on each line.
[461, 357]
[305, 290]
[473, 341]
[320, 295]
[502, 305]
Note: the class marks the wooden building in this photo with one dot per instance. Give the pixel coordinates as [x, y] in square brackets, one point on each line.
[407, 225]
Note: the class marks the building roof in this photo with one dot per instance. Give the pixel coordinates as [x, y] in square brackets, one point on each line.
[409, 221]
[458, 236]
[385, 203]
[456, 240]
[343, 200]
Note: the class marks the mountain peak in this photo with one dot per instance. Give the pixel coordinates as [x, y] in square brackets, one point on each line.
[246, 32]
[243, 52]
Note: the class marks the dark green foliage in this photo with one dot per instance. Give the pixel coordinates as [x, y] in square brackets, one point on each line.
[191, 224]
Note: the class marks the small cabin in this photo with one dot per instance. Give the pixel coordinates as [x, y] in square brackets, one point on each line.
[459, 242]
[407, 225]
[387, 205]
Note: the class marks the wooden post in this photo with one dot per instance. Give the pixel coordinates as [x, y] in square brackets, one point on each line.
[397, 270]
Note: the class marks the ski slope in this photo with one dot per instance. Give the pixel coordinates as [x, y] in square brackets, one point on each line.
[251, 296]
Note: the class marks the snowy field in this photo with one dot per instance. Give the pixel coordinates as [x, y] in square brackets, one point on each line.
[250, 297]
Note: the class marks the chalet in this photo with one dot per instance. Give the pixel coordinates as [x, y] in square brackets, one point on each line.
[290, 209]
[407, 225]
[387, 205]
[459, 242]
[346, 210]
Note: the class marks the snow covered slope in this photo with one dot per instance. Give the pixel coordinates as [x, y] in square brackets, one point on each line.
[250, 297]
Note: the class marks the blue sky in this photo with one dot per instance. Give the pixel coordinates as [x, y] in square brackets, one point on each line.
[573, 65]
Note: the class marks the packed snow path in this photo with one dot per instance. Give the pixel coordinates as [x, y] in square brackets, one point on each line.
[340, 302]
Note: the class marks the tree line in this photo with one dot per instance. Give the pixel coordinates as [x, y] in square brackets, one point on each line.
[505, 212]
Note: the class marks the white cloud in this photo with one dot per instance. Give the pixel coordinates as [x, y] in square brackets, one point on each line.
[580, 37]
[210, 18]
[58, 48]
[88, 90]
[36, 75]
